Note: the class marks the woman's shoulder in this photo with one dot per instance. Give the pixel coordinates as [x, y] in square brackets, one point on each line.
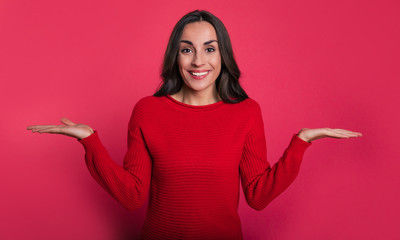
[146, 104]
[148, 101]
[250, 104]
[144, 109]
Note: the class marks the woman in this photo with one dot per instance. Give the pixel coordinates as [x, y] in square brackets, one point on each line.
[193, 141]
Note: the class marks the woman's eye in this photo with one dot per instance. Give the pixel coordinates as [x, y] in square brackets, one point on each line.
[185, 50]
[210, 49]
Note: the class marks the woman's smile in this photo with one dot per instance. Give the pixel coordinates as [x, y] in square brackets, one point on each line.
[199, 74]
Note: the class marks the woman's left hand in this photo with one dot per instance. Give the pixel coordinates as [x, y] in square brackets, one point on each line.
[310, 135]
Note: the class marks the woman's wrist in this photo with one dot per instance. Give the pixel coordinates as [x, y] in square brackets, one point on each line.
[86, 134]
[302, 137]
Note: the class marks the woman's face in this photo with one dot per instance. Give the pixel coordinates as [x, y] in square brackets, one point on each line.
[199, 59]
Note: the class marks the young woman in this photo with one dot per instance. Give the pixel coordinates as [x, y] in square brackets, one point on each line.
[192, 142]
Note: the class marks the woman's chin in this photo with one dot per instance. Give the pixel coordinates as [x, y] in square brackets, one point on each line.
[198, 87]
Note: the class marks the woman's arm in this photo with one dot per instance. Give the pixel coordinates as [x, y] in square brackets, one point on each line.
[128, 184]
[261, 182]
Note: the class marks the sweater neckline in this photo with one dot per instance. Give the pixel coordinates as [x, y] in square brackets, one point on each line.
[188, 106]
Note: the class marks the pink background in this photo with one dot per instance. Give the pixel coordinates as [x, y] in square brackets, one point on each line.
[308, 63]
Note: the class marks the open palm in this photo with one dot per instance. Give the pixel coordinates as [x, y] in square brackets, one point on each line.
[310, 135]
[69, 128]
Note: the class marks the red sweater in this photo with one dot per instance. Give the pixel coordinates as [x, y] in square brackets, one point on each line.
[192, 159]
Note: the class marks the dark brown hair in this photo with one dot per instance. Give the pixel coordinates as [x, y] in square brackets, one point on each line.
[227, 83]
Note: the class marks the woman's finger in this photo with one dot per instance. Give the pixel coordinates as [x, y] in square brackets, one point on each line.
[33, 127]
[344, 131]
[48, 129]
[67, 122]
[343, 134]
[37, 127]
[55, 129]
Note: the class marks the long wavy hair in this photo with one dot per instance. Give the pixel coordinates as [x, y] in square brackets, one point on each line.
[227, 83]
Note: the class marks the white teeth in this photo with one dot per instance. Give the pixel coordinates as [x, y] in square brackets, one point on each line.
[198, 73]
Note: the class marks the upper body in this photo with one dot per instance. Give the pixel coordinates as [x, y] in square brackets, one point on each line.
[192, 159]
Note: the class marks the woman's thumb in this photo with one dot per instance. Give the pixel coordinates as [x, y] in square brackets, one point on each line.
[67, 122]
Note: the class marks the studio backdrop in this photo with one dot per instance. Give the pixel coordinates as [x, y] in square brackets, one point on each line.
[309, 64]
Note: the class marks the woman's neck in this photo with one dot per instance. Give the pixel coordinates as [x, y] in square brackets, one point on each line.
[196, 98]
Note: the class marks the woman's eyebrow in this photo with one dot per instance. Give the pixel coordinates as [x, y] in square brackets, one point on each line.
[205, 43]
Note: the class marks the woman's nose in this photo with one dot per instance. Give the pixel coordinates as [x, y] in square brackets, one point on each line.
[198, 60]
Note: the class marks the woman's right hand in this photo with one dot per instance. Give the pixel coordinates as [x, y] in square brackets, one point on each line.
[69, 128]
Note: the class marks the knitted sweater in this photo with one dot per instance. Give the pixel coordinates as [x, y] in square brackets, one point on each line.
[191, 159]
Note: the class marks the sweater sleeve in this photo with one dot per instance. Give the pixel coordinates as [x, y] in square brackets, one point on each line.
[262, 183]
[129, 184]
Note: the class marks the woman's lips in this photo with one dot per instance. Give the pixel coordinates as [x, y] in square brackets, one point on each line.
[198, 75]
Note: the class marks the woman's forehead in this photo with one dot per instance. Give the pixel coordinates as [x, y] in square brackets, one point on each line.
[199, 32]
